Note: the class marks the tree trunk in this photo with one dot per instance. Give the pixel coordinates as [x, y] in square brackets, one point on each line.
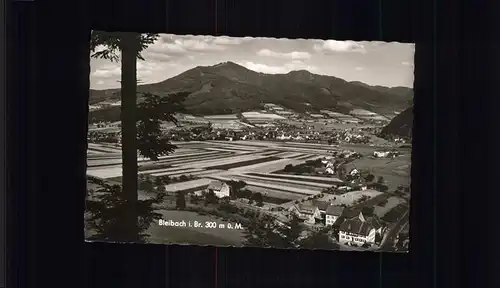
[129, 130]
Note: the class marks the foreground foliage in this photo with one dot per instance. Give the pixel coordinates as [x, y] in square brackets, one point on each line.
[107, 209]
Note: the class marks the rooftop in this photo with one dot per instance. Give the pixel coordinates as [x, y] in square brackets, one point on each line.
[334, 210]
[305, 208]
[357, 226]
[322, 205]
[215, 185]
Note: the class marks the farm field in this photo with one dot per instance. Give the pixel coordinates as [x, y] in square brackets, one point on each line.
[392, 202]
[285, 181]
[275, 186]
[254, 162]
[315, 179]
[288, 196]
[395, 171]
[350, 198]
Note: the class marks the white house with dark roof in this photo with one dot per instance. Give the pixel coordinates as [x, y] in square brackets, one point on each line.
[381, 154]
[360, 230]
[330, 171]
[332, 214]
[219, 188]
[354, 172]
[306, 211]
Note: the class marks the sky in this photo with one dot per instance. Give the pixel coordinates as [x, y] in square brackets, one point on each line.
[375, 63]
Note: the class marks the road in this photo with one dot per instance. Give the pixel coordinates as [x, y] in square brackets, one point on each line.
[388, 241]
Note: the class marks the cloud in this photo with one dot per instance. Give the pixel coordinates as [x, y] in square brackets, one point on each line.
[406, 63]
[173, 44]
[359, 68]
[339, 46]
[224, 40]
[107, 71]
[198, 45]
[295, 55]
[160, 47]
[155, 56]
[263, 68]
[268, 69]
[144, 69]
[299, 65]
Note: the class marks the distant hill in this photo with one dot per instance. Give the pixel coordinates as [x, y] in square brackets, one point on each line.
[401, 125]
[400, 91]
[230, 88]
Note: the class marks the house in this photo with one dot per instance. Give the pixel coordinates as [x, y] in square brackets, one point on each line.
[219, 188]
[330, 171]
[332, 214]
[322, 206]
[307, 212]
[380, 154]
[365, 228]
[330, 165]
[326, 160]
[354, 172]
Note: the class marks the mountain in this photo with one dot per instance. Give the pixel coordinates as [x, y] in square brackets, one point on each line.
[230, 88]
[400, 91]
[401, 125]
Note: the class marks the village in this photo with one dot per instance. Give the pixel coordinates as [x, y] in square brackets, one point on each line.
[358, 213]
[344, 180]
[272, 123]
[329, 170]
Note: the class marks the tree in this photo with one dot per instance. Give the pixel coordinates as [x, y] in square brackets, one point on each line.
[236, 187]
[130, 45]
[165, 180]
[158, 181]
[380, 180]
[245, 193]
[258, 198]
[194, 199]
[318, 240]
[147, 185]
[109, 205]
[291, 231]
[211, 198]
[160, 189]
[153, 110]
[383, 188]
[288, 168]
[369, 177]
[265, 231]
[180, 200]
[184, 178]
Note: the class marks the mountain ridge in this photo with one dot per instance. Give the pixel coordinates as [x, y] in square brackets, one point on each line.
[231, 88]
[401, 125]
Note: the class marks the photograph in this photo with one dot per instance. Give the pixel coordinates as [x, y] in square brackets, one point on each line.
[249, 142]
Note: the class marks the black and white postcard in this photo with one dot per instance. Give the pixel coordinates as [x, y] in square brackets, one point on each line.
[262, 142]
